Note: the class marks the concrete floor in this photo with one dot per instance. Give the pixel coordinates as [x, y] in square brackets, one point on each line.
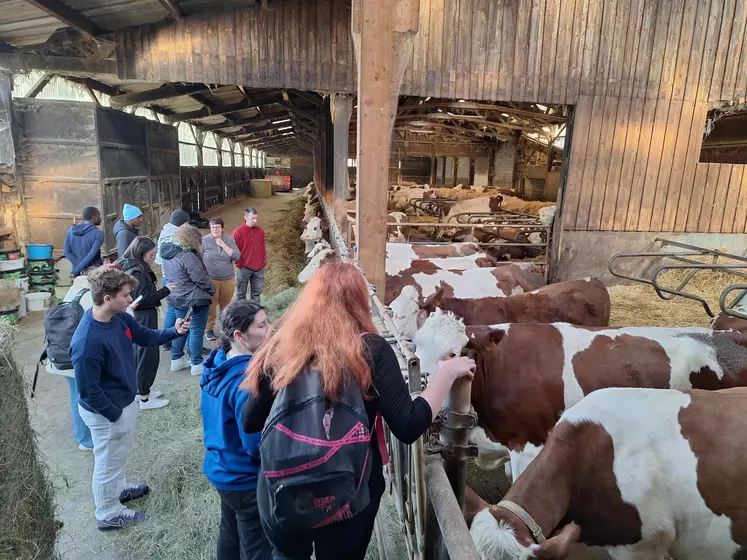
[71, 469]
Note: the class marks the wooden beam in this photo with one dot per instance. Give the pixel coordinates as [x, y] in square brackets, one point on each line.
[248, 120]
[16, 62]
[68, 16]
[483, 107]
[384, 29]
[294, 109]
[225, 109]
[248, 132]
[342, 108]
[40, 85]
[173, 9]
[310, 97]
[95, 85]
[168, 91]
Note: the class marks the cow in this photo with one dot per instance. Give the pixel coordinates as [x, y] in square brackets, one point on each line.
[405, 251]
[317, 248]
[399, 197]
[483, 204]
[396, 233]
[724, 322]
[579, 302]
[478, 260]
[498, 281]
[312, 233]
[645, 473]
[547, 215]
[528, 374]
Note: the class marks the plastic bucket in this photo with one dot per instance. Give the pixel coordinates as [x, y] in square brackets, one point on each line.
[41, 266]
[39, 251]
[10, 254]
[38, 301]
[16, 265]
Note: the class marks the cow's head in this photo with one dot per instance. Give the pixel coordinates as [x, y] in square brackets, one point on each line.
[312, 233]
[495, 203]
[407, 313]
[396, 234]
[547, 215]
[317, 248]
[501, 535]
[315, 264]
[442, 336]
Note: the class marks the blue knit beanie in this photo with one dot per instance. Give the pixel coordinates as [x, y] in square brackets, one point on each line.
[130, 212]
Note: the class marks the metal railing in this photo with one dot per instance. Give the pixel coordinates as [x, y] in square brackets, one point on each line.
[686, 263]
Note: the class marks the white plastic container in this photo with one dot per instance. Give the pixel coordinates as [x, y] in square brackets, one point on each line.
[12, 266]
[38, 301]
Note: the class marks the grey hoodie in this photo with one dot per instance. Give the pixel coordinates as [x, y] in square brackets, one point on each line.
[186, 271]
[167, 234]
[125, 235]
[217, 261]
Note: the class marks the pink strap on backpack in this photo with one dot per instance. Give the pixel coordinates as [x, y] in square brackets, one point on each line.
[379, 429]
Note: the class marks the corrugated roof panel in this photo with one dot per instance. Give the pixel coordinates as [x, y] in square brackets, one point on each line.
[22, 24]
[116, 14]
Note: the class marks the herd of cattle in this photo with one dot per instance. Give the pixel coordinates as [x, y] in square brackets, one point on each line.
[628, 438]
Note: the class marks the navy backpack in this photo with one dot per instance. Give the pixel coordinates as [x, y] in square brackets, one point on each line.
[316, 454]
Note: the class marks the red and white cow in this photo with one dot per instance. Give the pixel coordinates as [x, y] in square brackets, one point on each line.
[471, 283]
[647, 474]
[528, 374]
[312, 233]
[411, 252]
[579, 302]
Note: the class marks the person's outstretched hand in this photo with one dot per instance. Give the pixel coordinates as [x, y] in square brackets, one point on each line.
[182, 327]
[457, 367]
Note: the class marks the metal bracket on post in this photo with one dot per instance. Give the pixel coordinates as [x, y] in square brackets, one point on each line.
[450, 420]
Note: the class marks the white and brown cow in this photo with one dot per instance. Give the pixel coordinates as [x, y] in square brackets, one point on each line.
[579, 302]
[472, 283]
[528, 374]
[645, 473]
[411, 252]
[312, 233]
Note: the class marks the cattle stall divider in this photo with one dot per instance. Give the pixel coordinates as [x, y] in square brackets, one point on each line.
[416, 472]
[686, 263]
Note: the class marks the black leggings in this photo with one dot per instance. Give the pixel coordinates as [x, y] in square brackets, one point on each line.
[146, 357]
[347, 539]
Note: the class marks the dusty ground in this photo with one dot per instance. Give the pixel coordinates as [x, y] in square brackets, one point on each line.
[70, 468]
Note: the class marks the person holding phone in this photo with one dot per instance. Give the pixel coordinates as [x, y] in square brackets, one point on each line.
[104, 364]
[192, 287]
[137, 261]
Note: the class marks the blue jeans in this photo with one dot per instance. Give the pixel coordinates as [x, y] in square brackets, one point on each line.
[194, 337]
[81, 433]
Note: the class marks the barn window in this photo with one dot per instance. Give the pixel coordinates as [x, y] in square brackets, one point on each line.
[725, 135]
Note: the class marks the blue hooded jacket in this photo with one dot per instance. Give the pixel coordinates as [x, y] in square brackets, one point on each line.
[83, 246]
[231, 455]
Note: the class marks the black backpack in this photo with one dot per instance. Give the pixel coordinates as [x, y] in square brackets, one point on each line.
[316, 454]
[60, 323]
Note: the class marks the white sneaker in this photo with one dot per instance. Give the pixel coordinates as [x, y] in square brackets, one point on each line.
[153, 403]
[182, 363]
[153, 395]
[196, 370]
[84, 448]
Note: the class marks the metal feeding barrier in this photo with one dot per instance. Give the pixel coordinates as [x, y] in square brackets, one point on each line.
[684, 261]
[412, 470]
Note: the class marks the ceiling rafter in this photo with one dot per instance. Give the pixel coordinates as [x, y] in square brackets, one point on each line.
[68, 16]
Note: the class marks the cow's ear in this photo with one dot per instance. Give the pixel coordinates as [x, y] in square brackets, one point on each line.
[496, 336]
[433, 300]
[422, 317]
[559, 547]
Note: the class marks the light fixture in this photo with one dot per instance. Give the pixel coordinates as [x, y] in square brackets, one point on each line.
[461, 101]
[541, 107]
[281, 122]
[285, 128]
[427, 99]
[286, 133]
[505, 115]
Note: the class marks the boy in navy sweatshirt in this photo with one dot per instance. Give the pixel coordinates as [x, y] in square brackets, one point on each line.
[105, 374]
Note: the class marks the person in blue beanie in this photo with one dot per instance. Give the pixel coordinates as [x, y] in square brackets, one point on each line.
[104, 363]
[127, 229]
[83, 242]
[232, 455]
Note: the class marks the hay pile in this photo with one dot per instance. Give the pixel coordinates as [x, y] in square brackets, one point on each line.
[29, 528]
[184, 507]
[285, 255]
[639, 305]
[457, 193]
[524, 206]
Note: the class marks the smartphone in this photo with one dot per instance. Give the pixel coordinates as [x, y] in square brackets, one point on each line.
[135, 303]
[187, 316]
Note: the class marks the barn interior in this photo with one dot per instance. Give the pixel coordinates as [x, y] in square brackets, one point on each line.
[627, 118]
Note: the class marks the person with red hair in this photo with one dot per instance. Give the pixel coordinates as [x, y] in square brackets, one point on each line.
[326, 339]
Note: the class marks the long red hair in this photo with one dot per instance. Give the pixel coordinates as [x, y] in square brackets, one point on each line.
[321, 328]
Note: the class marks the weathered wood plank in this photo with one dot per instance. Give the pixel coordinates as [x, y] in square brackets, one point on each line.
[678, 162]
[477, 80]
[312, 44]
[324, 14]
[719, 199]
[505, 74]
[212, 72]
[591, 46]
[612, 192]
[653, 164]
[656, 62]
[293, 52]
[450, 46]
[521, 53]
[740, 217]
[577, 161]
[741, 81]
[549, 51]
[668, 154]
[697, 49]
[632, 40]
[732, 200]
[671, 48]
[563, 54]
[641, 163]
[606, 40]
[424, 37]
[615, 67]
[709, 194]
[436, 48]
[604, 155]
[633, 132]
[494, 61]
[588, 186]
[645, 47]
[721, 48]
[696, 200]
[684, 49]
[687, 196]
[713, 26]
[536, 45]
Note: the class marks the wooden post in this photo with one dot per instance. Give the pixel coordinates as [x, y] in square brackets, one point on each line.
[433, 171]
[341, 107]
[382, 32]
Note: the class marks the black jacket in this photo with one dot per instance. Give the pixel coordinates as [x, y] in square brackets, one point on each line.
[146, 284]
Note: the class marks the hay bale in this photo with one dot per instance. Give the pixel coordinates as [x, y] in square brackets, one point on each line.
[524, 206]
[184, 508]
[27, 509]
[640, 306]
[287, 257]
[458, 193]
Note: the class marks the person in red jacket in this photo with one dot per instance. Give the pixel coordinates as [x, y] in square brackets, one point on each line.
[250, 239]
